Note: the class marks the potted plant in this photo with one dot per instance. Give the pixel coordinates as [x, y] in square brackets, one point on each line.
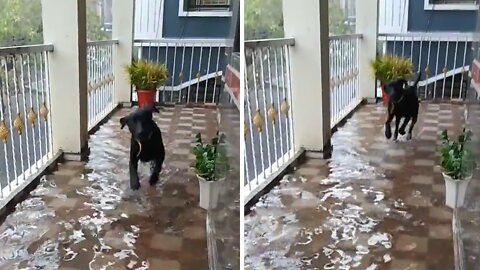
[146, 76]
[210, 167]
[458, 163]
[388, 68]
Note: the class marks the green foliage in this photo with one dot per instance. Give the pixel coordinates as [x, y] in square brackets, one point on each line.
[390, 67]
[146, 75]
[264, 19]
[20, 22]
[457, 160]
[210, 159]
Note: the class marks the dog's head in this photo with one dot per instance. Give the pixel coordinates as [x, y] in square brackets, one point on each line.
[401, 85]
[140, 123]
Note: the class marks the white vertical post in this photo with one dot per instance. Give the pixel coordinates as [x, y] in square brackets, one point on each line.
[367, 25]
[307, 22]
[64, 26]
[123, 15]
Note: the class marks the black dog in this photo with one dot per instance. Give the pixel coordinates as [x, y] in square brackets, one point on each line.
[403, 103]
[145, 145]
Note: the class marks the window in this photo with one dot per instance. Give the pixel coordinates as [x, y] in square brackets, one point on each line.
[451, 4]
[435, 2]
[204, 5]
[204, 8]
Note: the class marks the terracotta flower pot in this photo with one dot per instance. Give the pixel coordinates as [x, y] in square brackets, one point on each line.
[146, 97]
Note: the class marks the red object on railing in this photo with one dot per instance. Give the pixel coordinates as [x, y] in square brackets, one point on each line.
[385, 96]
[476, 72]
[232, 80]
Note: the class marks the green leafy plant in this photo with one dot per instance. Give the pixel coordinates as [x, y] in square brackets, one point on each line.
[457, 159]
[210, 159]
[390, 67]
[146, 75]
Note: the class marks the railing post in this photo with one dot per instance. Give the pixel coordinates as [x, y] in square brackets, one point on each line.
[64, 26]
[367, 25]
[123, 15]
[307, 22]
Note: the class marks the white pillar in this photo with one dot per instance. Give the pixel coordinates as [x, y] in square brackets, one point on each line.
[307, 22]
[64, 26]
[367, 25]
[123, 15]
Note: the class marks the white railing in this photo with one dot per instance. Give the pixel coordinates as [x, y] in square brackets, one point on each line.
[195, 68]
[25, 130]
[101, 95]
[444, 58]
[344, 70]
[269, 140]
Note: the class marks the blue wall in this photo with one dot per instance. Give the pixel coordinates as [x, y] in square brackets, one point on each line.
[440, 20]
[192, 27]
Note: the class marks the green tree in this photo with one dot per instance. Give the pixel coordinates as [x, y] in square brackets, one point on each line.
[264, 19]
[21, 23]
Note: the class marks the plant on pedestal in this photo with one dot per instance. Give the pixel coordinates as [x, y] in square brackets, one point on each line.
[458, 163]
[211, 166]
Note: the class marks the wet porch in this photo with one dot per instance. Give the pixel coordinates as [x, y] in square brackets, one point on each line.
[376, 204]
[84, 216]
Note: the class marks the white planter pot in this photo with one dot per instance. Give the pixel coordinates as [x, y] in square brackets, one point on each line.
[455, 191]
[209, 192]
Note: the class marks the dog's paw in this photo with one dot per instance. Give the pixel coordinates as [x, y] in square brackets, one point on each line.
[409, 136]
[135, 186]
[388, 133]
[402, 132]
[154, 179]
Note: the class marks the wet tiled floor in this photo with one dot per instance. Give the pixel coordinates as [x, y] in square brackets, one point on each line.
[84, 216]
[376, 204]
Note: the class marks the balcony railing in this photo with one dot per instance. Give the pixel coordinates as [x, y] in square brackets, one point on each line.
[344, 70]
[442, 57]
[101, 96]
[269, 138]
[195, 68]
[25, 130]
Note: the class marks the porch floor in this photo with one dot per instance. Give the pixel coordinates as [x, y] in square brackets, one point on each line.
[85, 216]
[376, 204]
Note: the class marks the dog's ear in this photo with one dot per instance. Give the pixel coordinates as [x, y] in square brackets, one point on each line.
[123, 122]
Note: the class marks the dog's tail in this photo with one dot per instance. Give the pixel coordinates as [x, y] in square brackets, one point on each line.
[415, 84]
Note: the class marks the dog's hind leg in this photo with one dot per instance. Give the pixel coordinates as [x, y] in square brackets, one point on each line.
[404, 126]
[157, 168]
[410, 130]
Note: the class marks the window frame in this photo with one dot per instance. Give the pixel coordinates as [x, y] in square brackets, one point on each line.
[183, 12]
[465, 6]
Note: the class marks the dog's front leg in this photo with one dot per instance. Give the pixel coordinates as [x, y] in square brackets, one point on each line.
[388, 129]
[404, 126]
[410, 130]
[397, 124]
[133, 167]
[157, 168]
